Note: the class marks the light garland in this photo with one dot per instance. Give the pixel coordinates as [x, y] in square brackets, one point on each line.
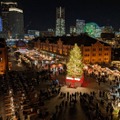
[75, 65]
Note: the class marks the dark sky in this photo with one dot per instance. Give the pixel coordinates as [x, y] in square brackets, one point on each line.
[40, 14]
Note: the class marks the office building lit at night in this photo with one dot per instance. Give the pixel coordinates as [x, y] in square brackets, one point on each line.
[16, 23]
[80, 26]
[72, 30]
[60, 21]
[4, 14]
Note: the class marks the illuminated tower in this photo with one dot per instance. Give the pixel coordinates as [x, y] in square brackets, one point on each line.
[4, 14]
[80, 26]
[16, 23]
[60, 21]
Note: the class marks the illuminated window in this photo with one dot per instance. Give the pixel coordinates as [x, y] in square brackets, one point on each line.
[106, 54]
[94, 49]
[106, 48]
[94, 54]
[100, 49]
[86, 55]
[106, 59]
[87, 50]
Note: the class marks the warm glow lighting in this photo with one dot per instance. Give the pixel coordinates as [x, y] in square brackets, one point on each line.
[75, 64]
[16, 10]
[70, 78]
[8, 3]
[78, 79]
[119, 104]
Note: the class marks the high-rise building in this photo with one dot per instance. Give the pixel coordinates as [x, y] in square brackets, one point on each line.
[80, 26]
[72, 30]
[4, 14]
[60, 21]
[12, 19]
[16, 23]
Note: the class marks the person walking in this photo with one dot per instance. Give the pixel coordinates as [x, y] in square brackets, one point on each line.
[119, 115]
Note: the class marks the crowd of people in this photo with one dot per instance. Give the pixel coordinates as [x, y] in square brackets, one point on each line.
[29, 91]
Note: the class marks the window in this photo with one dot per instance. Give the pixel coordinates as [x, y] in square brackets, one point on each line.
[106, 48]
[106, 54]
[86, 61]
[86, 54]
[106, 59]
[94, 49]
[87, 49]
[94, 54]
[100, 49]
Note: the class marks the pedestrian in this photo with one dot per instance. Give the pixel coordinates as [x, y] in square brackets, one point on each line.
[119, 115]
[107, 108]
[98, 83]
[66, 103]
[100, 93]
[56, 108]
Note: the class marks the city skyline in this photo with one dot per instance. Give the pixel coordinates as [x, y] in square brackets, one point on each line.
[42, 15]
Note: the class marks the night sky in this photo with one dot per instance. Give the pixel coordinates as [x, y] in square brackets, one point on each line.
[41, 14]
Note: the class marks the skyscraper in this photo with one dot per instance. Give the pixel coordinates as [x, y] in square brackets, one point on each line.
[16, 23]
[80, 26]
[4, 14]
[12, 18]
[60, 21]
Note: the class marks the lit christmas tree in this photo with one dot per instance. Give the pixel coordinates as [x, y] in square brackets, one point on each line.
[75, 64]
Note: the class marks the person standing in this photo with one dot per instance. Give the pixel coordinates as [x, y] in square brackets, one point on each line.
[119, 115]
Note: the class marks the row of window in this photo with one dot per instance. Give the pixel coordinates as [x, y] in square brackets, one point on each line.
[64, 46]
[93, 60]
[87, 49]
[94, 49]
[106, 54]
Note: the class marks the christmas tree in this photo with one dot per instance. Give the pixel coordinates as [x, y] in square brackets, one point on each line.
[75, 64]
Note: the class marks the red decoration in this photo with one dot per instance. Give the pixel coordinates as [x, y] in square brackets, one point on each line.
[74, 83]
